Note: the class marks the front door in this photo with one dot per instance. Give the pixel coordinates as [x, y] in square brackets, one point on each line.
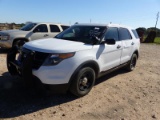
[109, 56]
[40, 32]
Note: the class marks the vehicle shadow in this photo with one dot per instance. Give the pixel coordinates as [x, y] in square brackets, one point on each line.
[3, 51]
[17, 100]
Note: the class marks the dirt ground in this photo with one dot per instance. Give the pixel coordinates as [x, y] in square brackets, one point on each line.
[120, 95]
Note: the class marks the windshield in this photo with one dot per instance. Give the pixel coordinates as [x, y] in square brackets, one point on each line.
[85, 34]
[28, 27]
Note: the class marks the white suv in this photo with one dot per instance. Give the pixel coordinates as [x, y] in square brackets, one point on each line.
[76, 57]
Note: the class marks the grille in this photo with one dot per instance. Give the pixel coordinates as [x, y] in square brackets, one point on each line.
[38, 58]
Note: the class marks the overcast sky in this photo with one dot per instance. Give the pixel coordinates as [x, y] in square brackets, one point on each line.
[135, 13]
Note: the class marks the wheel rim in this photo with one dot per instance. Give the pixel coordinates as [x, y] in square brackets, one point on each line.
[133, 63]
[85, 81]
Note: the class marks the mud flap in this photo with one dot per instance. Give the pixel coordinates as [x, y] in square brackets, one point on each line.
[11, 56]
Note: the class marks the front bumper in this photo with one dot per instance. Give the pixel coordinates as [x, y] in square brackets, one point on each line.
[15, 67]
[52, 77]
[5, 44]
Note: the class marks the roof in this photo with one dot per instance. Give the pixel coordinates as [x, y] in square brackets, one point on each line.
[107, 25]
[48, 23]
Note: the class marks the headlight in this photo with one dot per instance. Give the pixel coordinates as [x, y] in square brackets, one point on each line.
[54, 59]
[5, 37]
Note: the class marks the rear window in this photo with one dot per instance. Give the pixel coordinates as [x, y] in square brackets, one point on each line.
[135, 33]
[64, 27]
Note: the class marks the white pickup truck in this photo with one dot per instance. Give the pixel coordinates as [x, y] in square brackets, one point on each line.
[31, 31]
[76, 57]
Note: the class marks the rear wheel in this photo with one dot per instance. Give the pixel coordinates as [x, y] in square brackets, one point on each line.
[83, 82]
[132, 63]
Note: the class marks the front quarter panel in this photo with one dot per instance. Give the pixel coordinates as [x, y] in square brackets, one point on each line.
[61, 73]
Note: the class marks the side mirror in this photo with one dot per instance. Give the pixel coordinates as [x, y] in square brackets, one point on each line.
[109, 41]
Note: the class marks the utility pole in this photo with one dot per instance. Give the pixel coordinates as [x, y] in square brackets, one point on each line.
[157, 19]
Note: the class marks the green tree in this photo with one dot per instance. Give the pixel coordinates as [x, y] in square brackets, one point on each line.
[141, 32]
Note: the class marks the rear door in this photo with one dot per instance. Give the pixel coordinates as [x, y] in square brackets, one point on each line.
[54, 30]
[127, 43]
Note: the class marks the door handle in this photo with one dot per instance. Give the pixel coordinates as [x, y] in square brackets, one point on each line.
[45, 35]
[118, 46]
[132, 43]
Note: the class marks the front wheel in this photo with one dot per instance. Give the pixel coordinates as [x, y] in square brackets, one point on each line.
[19, 44]
[83, 82]
[132, 63]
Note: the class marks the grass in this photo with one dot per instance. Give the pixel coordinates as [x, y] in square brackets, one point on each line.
[157, 40]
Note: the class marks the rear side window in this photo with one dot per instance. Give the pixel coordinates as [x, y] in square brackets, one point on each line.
[54, 28]
[112, 33]
[124, 34]
[135, 33]
[64, 27]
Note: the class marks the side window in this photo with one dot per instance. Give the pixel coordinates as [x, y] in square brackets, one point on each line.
[135, 33]
[64, 27]
[112, 33]
[41, 28]
[72, 33]
[124, 34]
[54, 28]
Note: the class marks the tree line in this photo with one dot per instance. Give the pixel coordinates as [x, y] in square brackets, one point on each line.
[147, 35]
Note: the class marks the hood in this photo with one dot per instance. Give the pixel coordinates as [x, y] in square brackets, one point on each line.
[14, 32]
[53, 45]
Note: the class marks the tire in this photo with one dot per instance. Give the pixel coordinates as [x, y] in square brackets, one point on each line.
[11, 55]
[132, 63]
[83, 82]
[19, 43]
